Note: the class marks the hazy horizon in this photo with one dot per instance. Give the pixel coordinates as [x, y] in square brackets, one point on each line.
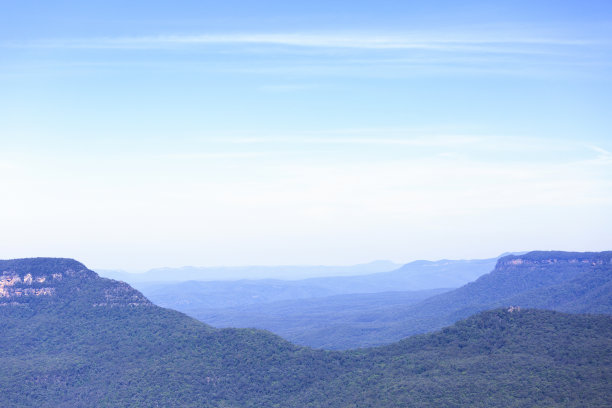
[155, 134]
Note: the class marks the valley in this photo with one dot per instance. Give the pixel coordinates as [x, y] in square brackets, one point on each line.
[98, 342]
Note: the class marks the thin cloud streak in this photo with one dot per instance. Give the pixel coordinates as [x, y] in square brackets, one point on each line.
[479, 42]
[362, 54]
[435, 141]
[604, 157]
[416, 137]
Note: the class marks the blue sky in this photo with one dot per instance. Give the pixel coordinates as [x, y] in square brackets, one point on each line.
[174, 133]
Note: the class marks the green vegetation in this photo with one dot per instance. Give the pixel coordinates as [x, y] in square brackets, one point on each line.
[316, 322]
[493, 359]
[97, 344]
[564, 281]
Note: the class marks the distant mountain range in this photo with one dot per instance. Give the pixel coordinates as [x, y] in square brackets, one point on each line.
[570, 282]
[195, 296]
[72, 339]
[563, 281]
[224, 273]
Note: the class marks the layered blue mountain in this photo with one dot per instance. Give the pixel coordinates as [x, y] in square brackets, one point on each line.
[194, 296]
[295, 310]
[302, 311]
[571, 282]
[72, 339]
[188, 273]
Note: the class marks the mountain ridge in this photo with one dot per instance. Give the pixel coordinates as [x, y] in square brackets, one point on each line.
[414, 276]
[73, 353]
[574, 282]
[50, 280]
[233, 273]
[529, 280]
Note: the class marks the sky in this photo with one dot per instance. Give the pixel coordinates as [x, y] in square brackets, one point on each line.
[145, 134]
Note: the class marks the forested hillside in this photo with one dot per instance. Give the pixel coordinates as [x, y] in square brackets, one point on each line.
[308, 321]
[71, 339]
[576, 282]
[563, 281]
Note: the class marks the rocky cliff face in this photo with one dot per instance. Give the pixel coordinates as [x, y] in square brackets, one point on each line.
[576, 282]
[556, 258]
[53, 280]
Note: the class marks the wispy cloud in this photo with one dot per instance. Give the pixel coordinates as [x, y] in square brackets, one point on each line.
[427, 141]
[603, 156]
[465, 52]
[423, 137]
[492, 42]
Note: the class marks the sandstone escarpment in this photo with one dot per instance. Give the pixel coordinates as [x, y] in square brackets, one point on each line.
[59, 280]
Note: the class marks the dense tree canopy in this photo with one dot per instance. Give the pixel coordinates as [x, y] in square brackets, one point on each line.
[96, 344]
